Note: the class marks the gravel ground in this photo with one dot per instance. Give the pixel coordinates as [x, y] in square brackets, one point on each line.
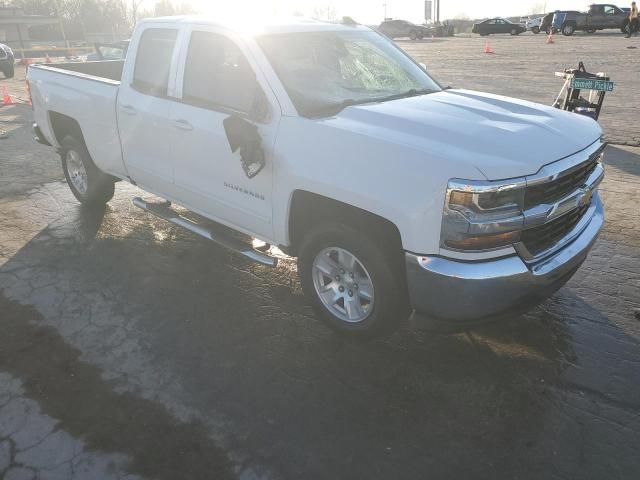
[130, 349]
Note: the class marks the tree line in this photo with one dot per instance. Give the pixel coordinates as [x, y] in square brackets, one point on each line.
[95, 16]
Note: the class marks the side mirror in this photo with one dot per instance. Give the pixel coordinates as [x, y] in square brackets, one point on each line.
[423, 65]
[244, 136]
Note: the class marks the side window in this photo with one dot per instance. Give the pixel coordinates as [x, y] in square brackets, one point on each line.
[217, 74]
[609, 10]
[153, 61]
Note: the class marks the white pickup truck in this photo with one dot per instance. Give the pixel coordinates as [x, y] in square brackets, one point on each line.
[397, 196]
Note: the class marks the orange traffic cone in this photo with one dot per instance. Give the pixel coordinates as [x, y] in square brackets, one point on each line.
[6, 98]
[550, 37]
[487, 47]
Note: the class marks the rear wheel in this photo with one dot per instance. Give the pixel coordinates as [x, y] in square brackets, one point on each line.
[355, 286]
[568, 29]
[413, 35]
[87, 183]
[514, 31]
[591, 30]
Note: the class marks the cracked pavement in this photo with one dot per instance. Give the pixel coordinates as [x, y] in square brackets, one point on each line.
[130, 349]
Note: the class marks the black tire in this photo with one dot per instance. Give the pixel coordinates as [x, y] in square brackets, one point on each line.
[536, 30]
[568, 29]
[99, 185]
[515, 31]
[9, 71]
[421, 36]
[591, 30]
[413, 35]
[390, 308]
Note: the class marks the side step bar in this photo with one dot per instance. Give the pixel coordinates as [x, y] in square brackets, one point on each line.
[163, 211]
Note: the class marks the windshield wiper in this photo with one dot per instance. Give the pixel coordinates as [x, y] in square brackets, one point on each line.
[336, 108]
[409, 93]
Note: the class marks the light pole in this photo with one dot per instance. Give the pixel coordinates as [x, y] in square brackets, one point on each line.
[385, 11]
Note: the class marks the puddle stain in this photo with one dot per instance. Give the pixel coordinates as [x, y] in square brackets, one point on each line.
[73, 392]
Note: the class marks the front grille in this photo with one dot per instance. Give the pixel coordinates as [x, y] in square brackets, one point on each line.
[539, 239]
[551, 192]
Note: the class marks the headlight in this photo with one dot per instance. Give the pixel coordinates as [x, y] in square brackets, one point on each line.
[482, 216]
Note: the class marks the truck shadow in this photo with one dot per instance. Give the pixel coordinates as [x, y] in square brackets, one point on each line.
[239, 342]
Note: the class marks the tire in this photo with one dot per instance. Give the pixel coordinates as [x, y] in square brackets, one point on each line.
[536, 30]
[9, 71]
[388, 308]
[515, 31]
[568, 29]
[413, 35]
[548, 30]
[591, 30]
[80, 170]
[421, 36]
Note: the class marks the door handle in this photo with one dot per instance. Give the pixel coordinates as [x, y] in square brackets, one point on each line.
[182, 124]
[128, 109]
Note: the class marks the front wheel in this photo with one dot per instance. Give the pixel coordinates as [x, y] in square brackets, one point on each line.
[87, 183]
[568, 29]
[536, 30]
[355, 286]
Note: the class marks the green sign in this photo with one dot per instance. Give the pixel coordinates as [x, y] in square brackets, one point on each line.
[592, 84]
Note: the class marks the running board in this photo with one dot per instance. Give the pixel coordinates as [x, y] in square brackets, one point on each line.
[163, 211]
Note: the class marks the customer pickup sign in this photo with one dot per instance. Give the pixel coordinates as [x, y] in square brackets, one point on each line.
[592, 84]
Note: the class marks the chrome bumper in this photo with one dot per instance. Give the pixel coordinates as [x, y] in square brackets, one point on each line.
[466, 292]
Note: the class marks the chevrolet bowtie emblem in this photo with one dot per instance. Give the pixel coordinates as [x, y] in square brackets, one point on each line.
[585, 199]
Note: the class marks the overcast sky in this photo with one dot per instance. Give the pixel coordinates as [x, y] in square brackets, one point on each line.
[372, 11]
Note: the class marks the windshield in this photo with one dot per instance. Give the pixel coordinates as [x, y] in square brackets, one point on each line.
[324, 72]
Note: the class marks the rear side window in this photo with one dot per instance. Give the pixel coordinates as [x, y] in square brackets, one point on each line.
[153, 61]
[217, 74]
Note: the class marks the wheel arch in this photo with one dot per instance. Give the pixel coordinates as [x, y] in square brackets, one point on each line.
[63, 125]
[307, 209]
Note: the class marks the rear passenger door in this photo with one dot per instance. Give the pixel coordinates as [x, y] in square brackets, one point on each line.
[217, 79]
[143, 107]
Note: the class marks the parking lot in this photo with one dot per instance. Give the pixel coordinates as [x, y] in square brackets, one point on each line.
[132, 349]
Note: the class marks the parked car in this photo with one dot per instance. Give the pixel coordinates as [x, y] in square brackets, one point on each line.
[599, 17]
[403, 28]
[394, 194]
[533, 24]
[497, 25]
[109, 51]
[7, 61]
[546, 25]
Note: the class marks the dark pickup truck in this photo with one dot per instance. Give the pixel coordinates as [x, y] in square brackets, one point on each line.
[599, 17]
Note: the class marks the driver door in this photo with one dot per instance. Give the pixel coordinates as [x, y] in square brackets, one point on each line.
[217, 79]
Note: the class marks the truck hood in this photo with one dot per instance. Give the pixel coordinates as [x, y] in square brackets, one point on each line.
[501, 137]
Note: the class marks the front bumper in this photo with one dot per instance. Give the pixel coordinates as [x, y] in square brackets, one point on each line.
[468, 292]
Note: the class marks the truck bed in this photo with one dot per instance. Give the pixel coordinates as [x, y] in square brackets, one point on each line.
[85, 93]
[99, 70]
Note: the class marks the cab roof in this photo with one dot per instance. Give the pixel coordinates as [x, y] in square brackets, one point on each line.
[272, 26]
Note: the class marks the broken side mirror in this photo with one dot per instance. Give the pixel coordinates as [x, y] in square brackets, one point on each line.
[244, 136]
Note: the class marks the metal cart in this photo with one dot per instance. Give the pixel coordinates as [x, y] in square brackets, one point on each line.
[576, 80]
